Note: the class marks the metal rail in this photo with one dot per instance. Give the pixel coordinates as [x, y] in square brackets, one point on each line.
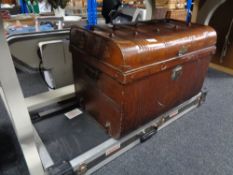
[99, 156]
[17, 108]
[207, 11]
[48, 98]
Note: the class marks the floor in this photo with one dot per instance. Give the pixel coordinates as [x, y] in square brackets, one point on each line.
[199, 143]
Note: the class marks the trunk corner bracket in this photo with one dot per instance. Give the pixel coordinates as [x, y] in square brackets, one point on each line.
[203, 96]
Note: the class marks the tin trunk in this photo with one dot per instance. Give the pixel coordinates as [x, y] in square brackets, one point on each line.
[130, 74]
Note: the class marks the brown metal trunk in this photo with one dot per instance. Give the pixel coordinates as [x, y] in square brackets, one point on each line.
[130, 74]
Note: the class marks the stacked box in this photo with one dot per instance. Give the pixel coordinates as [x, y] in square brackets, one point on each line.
[171, 4]
[134, 3]
[178, 14]
[79, 7]
[176, 8]
[160, 13]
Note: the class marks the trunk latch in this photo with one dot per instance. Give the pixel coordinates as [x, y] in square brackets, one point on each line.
[183, 50]
[177, 72]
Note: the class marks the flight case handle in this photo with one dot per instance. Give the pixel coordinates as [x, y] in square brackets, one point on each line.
[147, 133]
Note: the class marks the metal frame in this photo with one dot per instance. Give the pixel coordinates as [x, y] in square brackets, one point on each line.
[111, 149]
[207, 11]
[23, 64]
[49, 98]
[35, 152]
[81, 163]
[150, 8]
[17, 109]
[140, 13]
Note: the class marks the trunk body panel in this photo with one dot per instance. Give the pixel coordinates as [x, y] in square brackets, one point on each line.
[128, 80]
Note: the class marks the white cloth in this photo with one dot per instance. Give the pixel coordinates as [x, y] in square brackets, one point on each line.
[44, 6]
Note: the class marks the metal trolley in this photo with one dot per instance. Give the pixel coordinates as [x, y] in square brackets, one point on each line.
[47, 139]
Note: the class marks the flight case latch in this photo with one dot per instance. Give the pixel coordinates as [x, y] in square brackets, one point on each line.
[147, 133]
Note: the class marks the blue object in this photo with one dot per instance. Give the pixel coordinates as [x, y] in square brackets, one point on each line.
[23, 6]
[189, 11]
[29, 29]
[92, 12]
